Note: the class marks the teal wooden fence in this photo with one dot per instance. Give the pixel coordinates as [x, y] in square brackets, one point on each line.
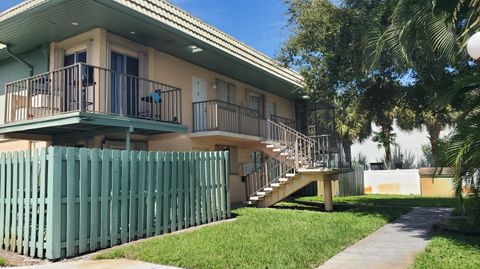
[63, 202]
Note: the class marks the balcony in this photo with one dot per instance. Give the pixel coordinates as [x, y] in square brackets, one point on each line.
[94, 96]
[92, 89]
[216, 115]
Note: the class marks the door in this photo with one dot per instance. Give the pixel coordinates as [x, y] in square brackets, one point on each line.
[200, 106]
[270, 110]
[124, 92]
[71, 92]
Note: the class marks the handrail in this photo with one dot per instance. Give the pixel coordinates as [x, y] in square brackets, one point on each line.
[87, 88]
[324, 151]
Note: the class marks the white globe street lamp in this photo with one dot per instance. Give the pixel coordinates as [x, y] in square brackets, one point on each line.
[473, 46]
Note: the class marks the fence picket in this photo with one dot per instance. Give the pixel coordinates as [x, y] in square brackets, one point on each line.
[150, 189]
[95, 181]
[180, 190]
[191, 185]
[208, 184]
[28, 209]
[54, 226]
[159, 217]
[105, 191]
[197, 180]
[203, 188]
[33, 228]
[55, 156]
[71, 201]
[82, 237]
[173, 192]
[116, 182]
[13, 227]
[166, 191]
[133, 217]
[21, 201]
[8, 210]
[141, 195]
[2, 196]
[124, 197]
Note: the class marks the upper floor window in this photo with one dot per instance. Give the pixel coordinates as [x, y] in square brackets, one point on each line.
[225, 91]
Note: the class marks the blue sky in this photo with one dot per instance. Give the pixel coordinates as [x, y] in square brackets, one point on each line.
[258, 23]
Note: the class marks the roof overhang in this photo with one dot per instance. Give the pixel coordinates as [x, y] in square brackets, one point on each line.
[157, 24]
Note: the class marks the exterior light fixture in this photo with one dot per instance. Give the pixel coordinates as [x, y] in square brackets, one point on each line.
[195, 49]
[132, 32]
[306, 97]
[74, 23]
[2, 46]
[473, 46]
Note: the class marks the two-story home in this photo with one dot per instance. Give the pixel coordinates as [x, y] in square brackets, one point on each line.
[146, 75]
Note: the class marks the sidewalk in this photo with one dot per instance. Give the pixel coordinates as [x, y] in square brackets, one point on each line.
[393, 246]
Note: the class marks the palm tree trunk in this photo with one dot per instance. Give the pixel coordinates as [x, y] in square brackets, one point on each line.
[434, 137]
[387, 131]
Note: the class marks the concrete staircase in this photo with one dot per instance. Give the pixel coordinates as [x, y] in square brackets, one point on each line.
[294, 164]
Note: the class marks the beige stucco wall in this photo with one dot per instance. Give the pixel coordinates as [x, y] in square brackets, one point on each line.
[19, 145]
[159, 66]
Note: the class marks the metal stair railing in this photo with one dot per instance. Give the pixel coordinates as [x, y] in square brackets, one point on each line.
[297, 149]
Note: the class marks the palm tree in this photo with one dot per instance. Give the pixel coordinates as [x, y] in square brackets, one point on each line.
[441, 28]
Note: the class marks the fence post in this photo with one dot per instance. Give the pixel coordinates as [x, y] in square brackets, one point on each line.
[53, 245]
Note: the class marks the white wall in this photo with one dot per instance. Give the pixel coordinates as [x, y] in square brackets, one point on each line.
[411, 141]
[393, 181]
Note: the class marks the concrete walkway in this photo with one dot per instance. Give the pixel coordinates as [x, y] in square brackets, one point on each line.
[99, 264]
[393, 246]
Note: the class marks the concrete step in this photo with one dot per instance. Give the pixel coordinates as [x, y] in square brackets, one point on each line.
[275, 185]
[268, 189]
[290, 175]
[255, 198]
[269, 146]
[276, 149]
[282, 180]
[261, 193]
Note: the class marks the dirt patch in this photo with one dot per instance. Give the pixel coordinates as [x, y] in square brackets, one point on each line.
[15, 259]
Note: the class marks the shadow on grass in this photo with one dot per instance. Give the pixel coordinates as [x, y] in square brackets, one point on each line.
[389, 200]
[388, 213]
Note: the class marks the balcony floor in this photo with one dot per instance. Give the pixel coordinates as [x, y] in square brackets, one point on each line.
[78, 125]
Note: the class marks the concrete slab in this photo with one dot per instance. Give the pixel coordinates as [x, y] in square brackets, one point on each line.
[394, 246]
[100, 264]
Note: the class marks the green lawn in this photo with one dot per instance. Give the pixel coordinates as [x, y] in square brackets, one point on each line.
[263, 238]
[450, 250]
[3, 261]
[388, 200]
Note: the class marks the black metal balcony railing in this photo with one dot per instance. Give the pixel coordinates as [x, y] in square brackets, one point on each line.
[87, 88]
[216, 115]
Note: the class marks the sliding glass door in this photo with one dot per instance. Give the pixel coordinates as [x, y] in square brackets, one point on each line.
[124, 91]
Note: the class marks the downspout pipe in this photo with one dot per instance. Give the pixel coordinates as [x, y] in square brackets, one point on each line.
[30, 67]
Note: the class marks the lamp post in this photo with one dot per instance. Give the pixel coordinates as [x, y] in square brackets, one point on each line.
[473, 46]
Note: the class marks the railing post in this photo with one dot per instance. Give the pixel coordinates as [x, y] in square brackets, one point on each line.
[296, 154]
[80, 87]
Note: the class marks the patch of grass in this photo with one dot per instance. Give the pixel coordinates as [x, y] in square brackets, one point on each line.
[389, 200]
[263, 238]
[450, 250]
[3, 261]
